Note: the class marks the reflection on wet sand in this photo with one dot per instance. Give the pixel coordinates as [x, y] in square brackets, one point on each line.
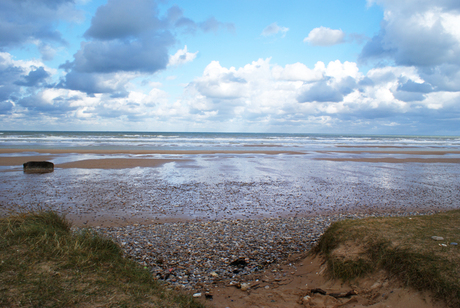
[95, 190]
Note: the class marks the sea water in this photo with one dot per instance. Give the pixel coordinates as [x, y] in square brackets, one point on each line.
[213, 141]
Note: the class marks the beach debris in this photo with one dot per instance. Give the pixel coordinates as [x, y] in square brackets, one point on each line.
[240, 262]
[197, 295]
[344, 294]
[208, 296]
[318, 290]
[38, 167]
[454, 244]
[437, 238]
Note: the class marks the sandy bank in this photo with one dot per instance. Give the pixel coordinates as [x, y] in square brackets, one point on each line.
[393, 160]
[444, 152]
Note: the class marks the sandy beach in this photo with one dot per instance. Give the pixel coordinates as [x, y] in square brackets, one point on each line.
[268, 207]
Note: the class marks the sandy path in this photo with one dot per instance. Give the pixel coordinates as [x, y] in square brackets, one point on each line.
[286, 286]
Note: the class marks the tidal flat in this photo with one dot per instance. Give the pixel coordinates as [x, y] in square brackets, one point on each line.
[94, 189]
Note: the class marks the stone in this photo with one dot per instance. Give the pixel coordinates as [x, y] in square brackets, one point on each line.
[437, 238]
[38, 167]
[197, 295]
[244, 286]
[306, 300]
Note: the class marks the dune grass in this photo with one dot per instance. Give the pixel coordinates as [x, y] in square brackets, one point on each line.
[401, 245]
[44, 264]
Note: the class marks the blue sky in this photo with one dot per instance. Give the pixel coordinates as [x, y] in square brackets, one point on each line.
[373, 67]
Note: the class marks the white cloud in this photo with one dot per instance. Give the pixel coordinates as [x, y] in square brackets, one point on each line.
[299, 72]
[323, 36]
[333, 95]
[182, 56]
[417, 33]
[273, 29]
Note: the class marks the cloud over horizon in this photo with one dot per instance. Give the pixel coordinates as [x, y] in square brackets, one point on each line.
[120, 71]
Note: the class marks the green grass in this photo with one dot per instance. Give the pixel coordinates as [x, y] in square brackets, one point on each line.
[44, 264]
[403, 247]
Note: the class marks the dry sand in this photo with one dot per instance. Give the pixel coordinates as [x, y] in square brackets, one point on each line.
[399, 151]
[287, 285]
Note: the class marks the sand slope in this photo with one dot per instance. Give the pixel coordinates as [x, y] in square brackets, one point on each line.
[286, 286]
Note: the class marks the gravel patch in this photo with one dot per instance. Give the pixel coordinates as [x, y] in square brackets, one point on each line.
[194, 255]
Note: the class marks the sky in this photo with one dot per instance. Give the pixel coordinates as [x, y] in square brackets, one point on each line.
[300, 66]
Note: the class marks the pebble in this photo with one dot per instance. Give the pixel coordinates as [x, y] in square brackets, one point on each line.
[306, 300]
[245, 286]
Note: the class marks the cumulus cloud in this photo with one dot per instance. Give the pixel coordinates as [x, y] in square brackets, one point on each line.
[273, 29]
[5, 107]
[182, 56]
[34, 78]
[416, 33]
[323, 36]
[90, 83]
[123, 19]
[423, 37]
[299, 72]
[130, 38]
[124, 37]
[48, 101]
[29, 21]
[329, 95]
[326, 91]
[444, 77]
[19, 77]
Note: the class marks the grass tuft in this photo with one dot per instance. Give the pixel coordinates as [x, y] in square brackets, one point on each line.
[44, 264]
[403, 247]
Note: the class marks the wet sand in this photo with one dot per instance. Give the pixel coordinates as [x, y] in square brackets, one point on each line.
[22, 156]
[392, 160]
[118, 188]
[396, 151]
[115, 163]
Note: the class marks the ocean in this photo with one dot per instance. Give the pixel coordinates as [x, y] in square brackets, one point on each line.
[213, 141]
